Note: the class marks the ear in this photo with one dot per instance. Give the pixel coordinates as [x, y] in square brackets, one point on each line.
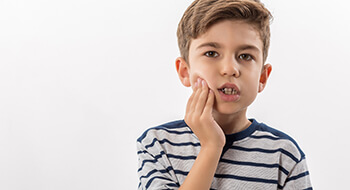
[182, 69]
[265, 73]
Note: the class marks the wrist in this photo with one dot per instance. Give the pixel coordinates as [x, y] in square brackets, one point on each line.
[212, 149]
[217, 145]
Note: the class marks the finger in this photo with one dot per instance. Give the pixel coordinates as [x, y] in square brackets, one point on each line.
[195, 86]
[196, 96]
[203, 96]
[192, 100]
[208, 109]
[189, 102]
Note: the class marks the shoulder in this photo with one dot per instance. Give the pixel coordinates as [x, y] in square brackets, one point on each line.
[172, 137]
[280, 140]
[165, 130]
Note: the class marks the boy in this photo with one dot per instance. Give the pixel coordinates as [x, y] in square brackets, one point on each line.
[223, 45]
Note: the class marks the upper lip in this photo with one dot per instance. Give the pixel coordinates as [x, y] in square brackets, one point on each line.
[230, 85]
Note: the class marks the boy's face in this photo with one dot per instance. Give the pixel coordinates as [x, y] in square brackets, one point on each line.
[229, 55]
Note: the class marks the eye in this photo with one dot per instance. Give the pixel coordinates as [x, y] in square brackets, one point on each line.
[211, 54]
[245, 57]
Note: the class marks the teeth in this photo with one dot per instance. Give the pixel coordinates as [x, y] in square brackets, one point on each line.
[228, 91]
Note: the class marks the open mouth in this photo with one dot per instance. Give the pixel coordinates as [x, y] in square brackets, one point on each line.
[228, 91]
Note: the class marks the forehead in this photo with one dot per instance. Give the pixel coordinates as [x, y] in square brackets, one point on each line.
[230, 34]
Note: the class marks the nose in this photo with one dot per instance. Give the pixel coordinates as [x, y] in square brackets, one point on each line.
[230, 67]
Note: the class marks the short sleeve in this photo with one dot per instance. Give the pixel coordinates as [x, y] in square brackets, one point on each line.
[154, 170]
[299, 177]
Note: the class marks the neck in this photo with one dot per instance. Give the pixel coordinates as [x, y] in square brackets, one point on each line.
[232, 123]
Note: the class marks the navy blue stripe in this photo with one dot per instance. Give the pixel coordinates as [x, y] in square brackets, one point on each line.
[250, 163]
[161, 171]
[310, 188]
[279, 186]
[270, 181]
[265, 137]
[251, 179]
[153, 178]
[174, 132]
[298, 176]
[172, 143]
[152, 161]
[155, 170]
[179, 144]
[168, 184]
[267, 151]
[295, 178]
[168, 155]
[255, 165]
[181, 172]
[182, 157]
[168, 131]
[152, 172]
[142, 152]
[144, 162]
[186, 173]
[283, 170]
[173, 184]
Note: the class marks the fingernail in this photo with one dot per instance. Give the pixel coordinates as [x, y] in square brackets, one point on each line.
[203, 82]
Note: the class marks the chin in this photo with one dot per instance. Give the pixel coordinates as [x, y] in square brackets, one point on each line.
[228, 109]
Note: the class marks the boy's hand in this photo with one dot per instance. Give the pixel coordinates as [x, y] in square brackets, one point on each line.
[200, 119]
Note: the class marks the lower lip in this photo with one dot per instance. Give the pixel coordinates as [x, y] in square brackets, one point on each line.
[228, 98]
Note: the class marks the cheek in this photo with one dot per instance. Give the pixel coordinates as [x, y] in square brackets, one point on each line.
[204, 72]
[251, 83]
[197, 74]
[193, 79]
[205, 76]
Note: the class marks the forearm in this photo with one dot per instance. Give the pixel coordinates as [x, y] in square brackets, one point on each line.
[202, 172]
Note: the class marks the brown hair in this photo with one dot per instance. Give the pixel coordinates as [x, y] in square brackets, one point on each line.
[202, 14]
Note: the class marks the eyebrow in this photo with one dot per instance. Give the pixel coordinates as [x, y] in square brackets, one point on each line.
[209, 44]
[251, 47]
[217, 45]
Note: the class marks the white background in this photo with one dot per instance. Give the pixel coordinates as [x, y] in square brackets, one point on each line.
[80, 80]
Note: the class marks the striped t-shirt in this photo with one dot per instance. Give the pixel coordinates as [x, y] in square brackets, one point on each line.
[258, 157]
